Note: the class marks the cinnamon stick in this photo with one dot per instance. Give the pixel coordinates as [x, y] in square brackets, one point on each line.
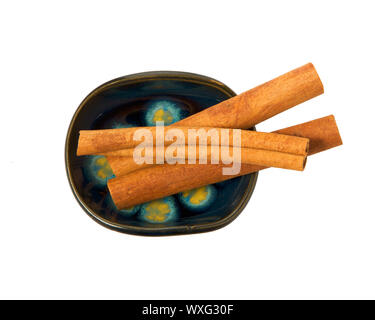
[256, 105]
[159, 181]
[259, 148]
[115, 142]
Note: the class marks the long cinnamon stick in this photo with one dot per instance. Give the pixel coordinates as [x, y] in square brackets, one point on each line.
[156, 182]
[249, 108]
[115, 142]
[259, 148]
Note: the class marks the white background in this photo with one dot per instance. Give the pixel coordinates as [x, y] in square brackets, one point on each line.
[302, 235]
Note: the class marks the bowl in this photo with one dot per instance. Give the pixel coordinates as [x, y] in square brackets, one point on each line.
[137, 100]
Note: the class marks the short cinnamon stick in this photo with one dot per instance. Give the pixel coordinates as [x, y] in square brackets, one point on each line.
[256, 105]
[159, 181]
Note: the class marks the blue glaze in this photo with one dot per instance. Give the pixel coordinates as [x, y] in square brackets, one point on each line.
[131, 211]
[198, 199]
[120, 125]
[97, 170]
[159, 211]
[222, 184]
[164, 110]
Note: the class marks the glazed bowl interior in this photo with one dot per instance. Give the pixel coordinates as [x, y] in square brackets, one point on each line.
[125, 102]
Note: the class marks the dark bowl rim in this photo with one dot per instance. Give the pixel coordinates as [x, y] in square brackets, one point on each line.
[167, 230]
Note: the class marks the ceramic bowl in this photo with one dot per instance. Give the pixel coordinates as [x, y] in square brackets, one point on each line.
[135, 100]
